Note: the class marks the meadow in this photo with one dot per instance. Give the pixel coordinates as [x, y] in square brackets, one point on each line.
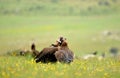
[25, 67]
[84, 35]
[86, 25]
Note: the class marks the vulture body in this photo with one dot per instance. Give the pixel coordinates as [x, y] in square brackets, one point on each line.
[59, 52]
[64, 54]
[47, 55]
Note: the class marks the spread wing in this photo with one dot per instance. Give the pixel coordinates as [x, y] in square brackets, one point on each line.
[47, 55]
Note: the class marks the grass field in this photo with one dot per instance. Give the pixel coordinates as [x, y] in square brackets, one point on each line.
[59, 7]
[84, 35]
[83, 22]
[25, 67]
[18, 32]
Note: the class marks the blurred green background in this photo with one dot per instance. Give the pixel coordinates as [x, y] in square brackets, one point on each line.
[88, 25]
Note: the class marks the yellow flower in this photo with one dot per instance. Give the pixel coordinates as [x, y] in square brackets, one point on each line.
[106, 75]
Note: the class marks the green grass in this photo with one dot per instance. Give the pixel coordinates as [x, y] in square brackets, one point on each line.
[18, 32]
[25, 67]
[82, 22]
[59, 7]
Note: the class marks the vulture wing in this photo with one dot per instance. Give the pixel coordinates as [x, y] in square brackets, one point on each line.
[47, 55]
